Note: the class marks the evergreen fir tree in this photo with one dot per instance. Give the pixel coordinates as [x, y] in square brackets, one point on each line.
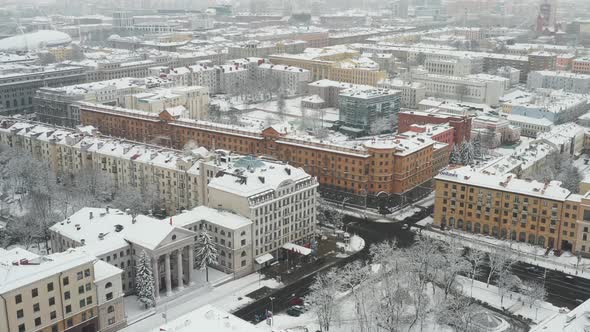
[455, 157]
[144, 281]
[467, 153]
[205, 252]
[477, 150]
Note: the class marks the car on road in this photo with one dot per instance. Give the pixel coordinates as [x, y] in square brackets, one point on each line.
[293, 312]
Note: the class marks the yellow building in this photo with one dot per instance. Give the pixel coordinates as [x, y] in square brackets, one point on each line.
[335, 64]
[58, 292]
[508, 208]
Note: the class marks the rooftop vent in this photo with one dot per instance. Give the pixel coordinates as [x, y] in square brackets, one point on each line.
[118, 228]
[90, 215]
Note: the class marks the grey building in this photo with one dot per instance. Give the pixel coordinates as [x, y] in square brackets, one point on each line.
[18, 84]
[361, 109]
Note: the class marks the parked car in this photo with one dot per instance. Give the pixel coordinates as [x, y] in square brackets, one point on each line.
[293, 312]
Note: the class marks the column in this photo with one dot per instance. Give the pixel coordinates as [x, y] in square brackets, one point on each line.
[179, 268]
[168, 277]
[156, 278]
[191, 263]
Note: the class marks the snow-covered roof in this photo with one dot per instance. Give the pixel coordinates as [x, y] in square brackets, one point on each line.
[34, 40]
[249, 176]
[14, 275]
[505, 182]
[208, 318]
[567, 321]
[104, 270]
[222, 218]
[117, 229]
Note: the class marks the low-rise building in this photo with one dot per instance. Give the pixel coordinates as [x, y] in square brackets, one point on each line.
[581, 65]
[559, 80]
[460, 124]
[471, 89]
[493, 131]
[289, 80]
[411, 92]
[186, 101]
[55, 105]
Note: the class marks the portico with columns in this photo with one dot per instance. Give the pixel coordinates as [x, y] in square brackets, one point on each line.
[172, 261]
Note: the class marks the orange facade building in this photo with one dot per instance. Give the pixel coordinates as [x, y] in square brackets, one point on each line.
[384, 168]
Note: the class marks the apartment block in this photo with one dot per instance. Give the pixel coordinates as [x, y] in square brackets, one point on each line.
[411, 92]
[19, 82]
[58, 292]
[353, 167]
[55, 105]
[509, 208]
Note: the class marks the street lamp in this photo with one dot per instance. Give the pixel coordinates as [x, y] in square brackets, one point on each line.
[272, 311]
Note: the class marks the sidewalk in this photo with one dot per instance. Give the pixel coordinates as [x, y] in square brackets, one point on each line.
[523, 251]
[227, 297]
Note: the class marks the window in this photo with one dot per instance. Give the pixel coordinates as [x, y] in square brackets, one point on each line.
[37, 321]
[87, 273]
[21, 328]
[82, 303]
[70, 322]
[51, 301]
[54, 328]
[52, 315]
[36, 307]
[66, 281]
[109, 296]
[88, 287]
[18, 299]
[110, 309]
[80, 289]
[243, 263]
[83, 316]
[112, 321]
[68, 309]
[34, 292]
[80, 275]
[108, 285]
[67, 295]
[89, 300]
[50, 287]
[19, 313]
[243, 242]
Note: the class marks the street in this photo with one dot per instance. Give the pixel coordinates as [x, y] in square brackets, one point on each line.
[563, 290]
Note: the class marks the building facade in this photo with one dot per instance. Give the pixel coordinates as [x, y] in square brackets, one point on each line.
[57, 292]
[363, 169]
[508, 208]
[362, 109]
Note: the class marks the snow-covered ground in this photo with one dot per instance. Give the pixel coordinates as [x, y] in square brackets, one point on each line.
[512, 301]
[227, 297]
[524, 252]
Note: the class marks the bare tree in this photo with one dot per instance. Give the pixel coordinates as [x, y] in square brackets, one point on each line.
[506, 282]
[535, 293]
[454, 265]
[353, 276]
[498, 261]
[322, 299]
[457, 312]
[476, 258]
